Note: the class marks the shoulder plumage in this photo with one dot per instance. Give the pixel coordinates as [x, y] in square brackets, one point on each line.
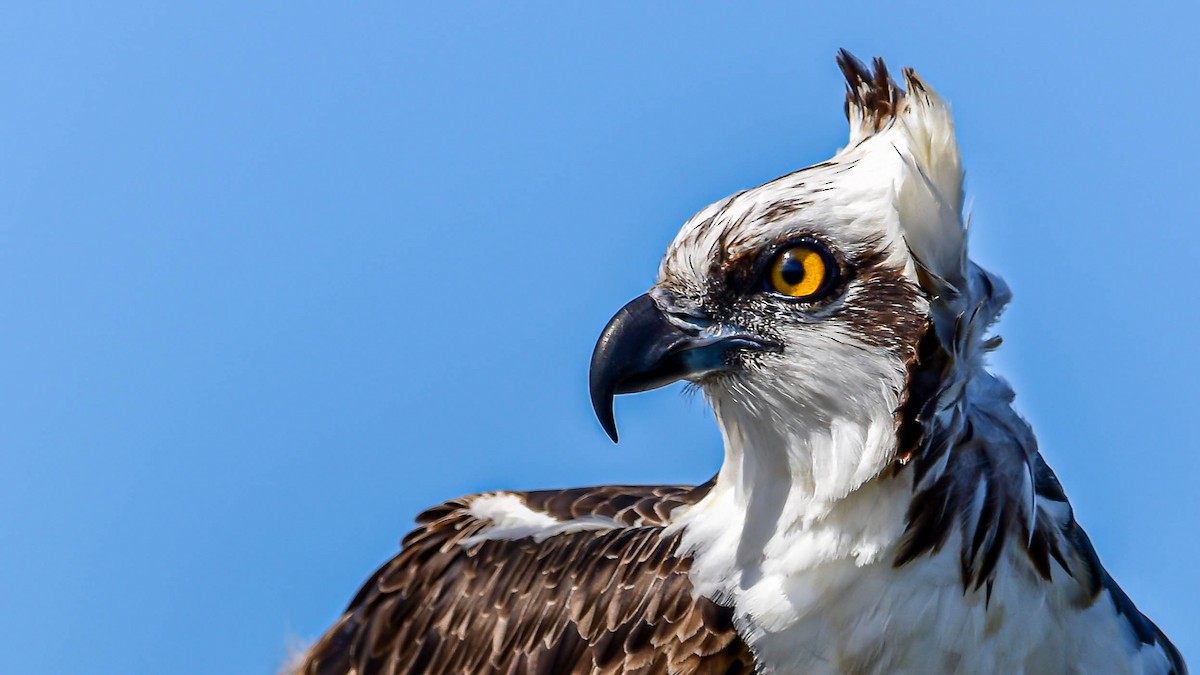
[471, 593]
[977, 473]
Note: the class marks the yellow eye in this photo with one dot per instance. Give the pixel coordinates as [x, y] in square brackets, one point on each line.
[802, 271]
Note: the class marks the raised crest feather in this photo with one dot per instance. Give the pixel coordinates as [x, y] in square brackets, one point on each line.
[915, 124]
[872, 97]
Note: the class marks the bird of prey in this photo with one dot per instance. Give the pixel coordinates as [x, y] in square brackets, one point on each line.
[880, 507]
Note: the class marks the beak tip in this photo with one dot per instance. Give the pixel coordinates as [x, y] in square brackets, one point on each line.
[611, 430]
[602, 405]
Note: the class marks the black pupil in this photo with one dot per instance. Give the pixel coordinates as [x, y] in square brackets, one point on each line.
[792, 270]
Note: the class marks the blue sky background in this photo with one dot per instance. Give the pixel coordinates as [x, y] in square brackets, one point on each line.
[274, 277]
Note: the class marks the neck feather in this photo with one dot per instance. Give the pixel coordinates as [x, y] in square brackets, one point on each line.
[797, 490]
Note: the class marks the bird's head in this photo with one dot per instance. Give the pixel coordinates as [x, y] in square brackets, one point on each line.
[803, 300]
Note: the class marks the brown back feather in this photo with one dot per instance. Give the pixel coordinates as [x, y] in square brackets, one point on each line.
[609, 601]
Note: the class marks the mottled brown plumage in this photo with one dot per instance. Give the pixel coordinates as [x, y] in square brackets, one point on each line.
[598, 601]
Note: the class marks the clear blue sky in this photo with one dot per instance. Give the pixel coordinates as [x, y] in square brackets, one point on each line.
[276, 276]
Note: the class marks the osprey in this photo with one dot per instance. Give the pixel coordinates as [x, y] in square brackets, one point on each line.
[880, 508]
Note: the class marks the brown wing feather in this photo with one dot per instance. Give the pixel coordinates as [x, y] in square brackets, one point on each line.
[611, 601]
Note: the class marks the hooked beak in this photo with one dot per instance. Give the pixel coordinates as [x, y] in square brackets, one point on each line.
[642, 348]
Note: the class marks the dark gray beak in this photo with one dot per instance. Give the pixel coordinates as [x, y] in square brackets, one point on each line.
[641, 349]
